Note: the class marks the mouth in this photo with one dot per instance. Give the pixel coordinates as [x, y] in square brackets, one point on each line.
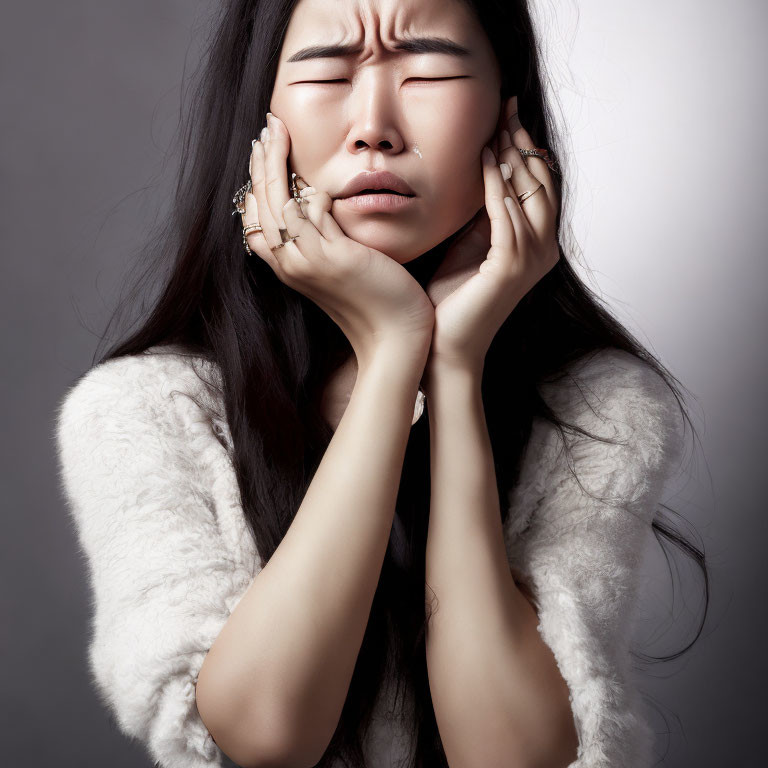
[376, 183]
[376, 201]
[382, 191]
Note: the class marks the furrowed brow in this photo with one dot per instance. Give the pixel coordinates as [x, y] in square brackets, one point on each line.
[412, 45]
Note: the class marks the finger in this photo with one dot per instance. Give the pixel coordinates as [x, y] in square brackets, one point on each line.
[503, 237]
[541, 214]
[258, 181]
[318, 210]
[521, 139]
[255, 240]
[297, 223]
[276, 147]
[504, 166]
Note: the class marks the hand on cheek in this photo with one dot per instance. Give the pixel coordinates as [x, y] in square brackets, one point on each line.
[521, 204]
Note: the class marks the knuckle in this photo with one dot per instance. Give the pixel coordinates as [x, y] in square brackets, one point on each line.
[521, 172]
[294, 266]
[257, 174]
[288, 270]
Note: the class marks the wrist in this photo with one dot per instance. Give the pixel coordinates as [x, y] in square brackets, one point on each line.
[458, 372]
[396, 361]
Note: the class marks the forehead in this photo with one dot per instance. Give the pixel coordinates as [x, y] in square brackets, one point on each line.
[375, 22]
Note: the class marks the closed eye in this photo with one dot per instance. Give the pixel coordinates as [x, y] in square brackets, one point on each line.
[429, 79]
[423, 79]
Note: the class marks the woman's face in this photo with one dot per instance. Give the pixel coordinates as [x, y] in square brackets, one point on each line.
[424, 116]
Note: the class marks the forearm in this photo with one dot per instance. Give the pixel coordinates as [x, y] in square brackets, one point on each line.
[498, 696]
[283, 662]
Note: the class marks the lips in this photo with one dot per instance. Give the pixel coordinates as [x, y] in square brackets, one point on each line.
[383, 191]
[376, 181]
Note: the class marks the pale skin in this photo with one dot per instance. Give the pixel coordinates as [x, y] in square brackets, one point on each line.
[274, 682]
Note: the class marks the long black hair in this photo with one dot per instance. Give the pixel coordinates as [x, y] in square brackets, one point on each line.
[275, 348]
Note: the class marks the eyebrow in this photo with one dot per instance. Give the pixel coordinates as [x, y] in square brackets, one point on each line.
[412, 45]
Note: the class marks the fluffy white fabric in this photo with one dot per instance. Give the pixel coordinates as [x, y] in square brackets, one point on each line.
[152, 494]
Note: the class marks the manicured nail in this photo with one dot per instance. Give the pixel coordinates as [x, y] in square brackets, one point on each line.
[253, 141]
[264, 135]
[488, 156]
[307, 191]
[506, 171]
[270, 119]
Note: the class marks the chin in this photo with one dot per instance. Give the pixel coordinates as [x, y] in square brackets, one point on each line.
[401, 242]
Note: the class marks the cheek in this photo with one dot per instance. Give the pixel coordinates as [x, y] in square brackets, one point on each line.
[313, 130]
[450, 142]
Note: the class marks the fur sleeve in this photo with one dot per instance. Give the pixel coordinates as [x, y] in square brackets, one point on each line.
[134, 458]
[579, 543]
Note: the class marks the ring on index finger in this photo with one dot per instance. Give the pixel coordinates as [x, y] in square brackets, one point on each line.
[286, 237]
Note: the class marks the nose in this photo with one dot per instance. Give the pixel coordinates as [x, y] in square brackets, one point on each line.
[374, 116]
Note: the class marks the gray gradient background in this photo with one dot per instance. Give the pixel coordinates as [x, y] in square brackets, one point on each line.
[665, 106]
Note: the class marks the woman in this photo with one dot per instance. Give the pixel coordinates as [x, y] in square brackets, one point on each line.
[281, 551]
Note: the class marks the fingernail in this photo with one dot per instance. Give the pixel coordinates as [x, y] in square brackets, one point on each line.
[264, 135]
[307, 191]
[270, 119]
[253, 141]
[506, 171]
[488, 156]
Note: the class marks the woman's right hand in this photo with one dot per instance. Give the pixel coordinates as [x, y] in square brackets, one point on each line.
[371, 297]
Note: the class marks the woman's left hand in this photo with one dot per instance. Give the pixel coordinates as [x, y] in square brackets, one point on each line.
[508, 248]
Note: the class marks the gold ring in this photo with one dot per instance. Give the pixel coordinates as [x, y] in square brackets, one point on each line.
[522, 198]
[252, 228]
[280, 245]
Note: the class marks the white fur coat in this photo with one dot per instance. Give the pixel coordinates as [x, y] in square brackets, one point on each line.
[153, 498]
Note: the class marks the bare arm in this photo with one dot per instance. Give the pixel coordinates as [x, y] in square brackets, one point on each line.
[482, 643]
[273, 684]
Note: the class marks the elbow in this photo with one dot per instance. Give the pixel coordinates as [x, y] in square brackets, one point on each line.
[562, 751]
[556, 746]
[266, 756]
[264, 759]
[237, 735]
[249, 751]
[567, 751]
